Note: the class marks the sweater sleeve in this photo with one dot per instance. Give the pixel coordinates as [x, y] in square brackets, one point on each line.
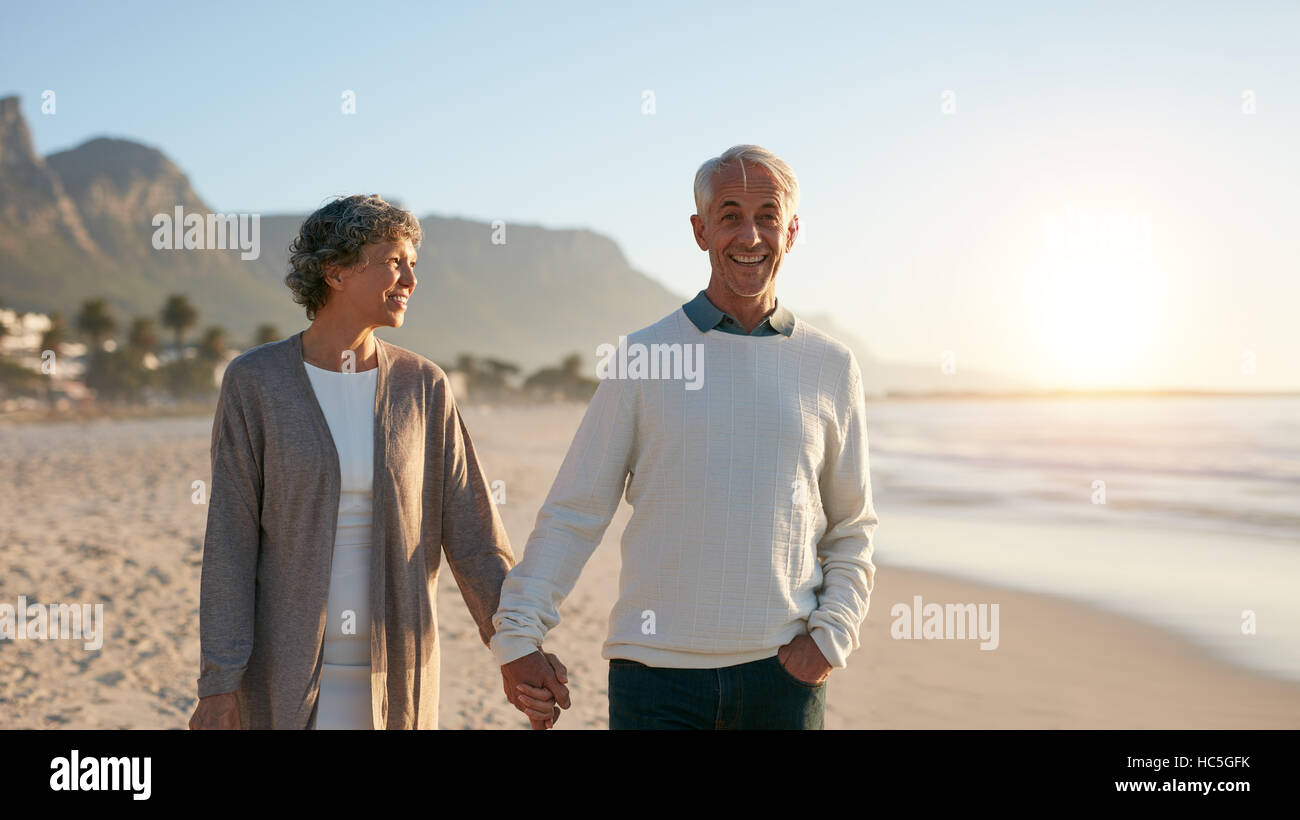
[571, 522]
[230, 545]
[845, 548]
[473, 537]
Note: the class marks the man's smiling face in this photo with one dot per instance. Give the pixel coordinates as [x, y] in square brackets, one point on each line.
[747, 230]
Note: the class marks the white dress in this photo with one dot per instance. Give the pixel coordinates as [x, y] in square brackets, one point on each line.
[348, 401]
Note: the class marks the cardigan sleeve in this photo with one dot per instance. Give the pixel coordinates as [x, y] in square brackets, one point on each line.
[846, 547]
[473, 537]
[231, 543]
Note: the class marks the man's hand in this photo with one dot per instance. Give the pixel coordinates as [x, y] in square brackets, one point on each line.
[216, 712]
[534, 684]
[802, 659]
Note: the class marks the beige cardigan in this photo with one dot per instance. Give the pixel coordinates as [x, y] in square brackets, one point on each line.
[272, 513]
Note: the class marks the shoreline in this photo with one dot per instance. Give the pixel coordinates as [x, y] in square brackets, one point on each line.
[1155, 676]
[1151, 676]
[1169, 578]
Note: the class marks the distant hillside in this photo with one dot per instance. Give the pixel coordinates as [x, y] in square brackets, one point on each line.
[78, 225]
[540, 296]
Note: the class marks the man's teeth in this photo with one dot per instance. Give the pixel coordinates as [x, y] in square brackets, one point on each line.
[747, 260]
[397, 297]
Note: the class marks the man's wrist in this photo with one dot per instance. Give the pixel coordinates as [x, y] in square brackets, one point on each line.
[830, 654]
[508, 649]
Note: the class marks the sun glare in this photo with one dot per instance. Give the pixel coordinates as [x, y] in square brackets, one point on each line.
[1098, 302]
[1098, 321]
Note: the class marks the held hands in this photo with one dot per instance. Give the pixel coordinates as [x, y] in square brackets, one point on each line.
[534, 684]
[804, 660]
[216, 712]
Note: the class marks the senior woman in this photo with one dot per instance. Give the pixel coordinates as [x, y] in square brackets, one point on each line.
[341, 470]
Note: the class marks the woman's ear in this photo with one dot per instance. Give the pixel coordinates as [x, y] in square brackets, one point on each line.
[333, 275]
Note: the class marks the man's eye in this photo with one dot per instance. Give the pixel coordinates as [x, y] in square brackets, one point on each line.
[728, 216]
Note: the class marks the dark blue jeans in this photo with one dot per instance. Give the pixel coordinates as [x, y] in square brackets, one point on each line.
[755, 695]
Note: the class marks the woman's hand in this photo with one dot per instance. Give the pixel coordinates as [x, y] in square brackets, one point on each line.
[216, 712]
[534, 684]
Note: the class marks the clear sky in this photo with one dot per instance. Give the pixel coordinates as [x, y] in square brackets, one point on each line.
[1078, 197]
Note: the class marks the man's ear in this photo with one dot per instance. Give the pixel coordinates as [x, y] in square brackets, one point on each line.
[697, 225]
[793, 233]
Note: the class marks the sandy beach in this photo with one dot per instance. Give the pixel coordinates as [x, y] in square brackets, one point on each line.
[102, 512]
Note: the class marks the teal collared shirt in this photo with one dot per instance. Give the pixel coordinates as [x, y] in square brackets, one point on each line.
[706, 316]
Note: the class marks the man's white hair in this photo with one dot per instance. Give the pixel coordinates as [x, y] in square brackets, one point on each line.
[751, 155]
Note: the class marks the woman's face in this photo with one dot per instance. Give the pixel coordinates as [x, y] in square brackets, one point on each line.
[375, 290]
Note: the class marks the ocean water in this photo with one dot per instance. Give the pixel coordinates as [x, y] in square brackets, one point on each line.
[1183, 511]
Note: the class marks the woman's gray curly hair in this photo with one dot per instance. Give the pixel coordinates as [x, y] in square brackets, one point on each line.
[334, 235]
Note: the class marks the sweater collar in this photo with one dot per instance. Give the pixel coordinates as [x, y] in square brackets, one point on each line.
[706, 316]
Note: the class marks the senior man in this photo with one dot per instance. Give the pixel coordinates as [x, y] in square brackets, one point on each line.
[747, 561]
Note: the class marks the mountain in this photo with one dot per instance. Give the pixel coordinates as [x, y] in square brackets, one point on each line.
[34, 207]
[117, 186]
[80, 225]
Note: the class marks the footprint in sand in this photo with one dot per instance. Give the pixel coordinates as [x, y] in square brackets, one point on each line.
[110, 678]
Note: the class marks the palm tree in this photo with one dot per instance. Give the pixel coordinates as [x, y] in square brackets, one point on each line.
[499, 371]
[96, 322]
[179, 315]
[143, 336]
[266, 333]
[54, 338]
[213, 345]
[566, 379]
[141, 341]
[468, 365]
[571, 364]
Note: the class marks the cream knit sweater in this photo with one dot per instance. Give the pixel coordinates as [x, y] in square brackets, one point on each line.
[752, 518]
